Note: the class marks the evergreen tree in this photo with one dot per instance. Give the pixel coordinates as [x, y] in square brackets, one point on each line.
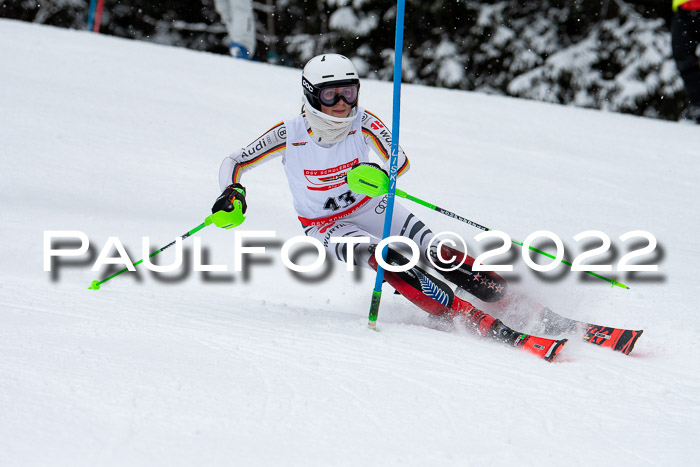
[607, 54]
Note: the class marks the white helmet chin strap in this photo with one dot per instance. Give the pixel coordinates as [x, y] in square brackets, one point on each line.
[328, 129]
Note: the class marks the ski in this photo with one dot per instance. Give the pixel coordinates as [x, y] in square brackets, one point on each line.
[554, 324]
[485, 325]
[437, 298]
[617, 339]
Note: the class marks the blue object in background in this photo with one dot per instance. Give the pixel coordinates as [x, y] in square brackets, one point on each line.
[238, 50]
[91, 14]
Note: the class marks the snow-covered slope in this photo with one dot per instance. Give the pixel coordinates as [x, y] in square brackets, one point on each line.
[119, 138]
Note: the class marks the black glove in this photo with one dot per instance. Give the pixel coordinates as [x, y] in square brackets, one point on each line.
[225, 201]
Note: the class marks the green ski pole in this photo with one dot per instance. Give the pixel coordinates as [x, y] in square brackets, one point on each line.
[223, 219]
[370, 181]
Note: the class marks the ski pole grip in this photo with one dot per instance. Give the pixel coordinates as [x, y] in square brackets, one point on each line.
[227, 220]
[367, 179]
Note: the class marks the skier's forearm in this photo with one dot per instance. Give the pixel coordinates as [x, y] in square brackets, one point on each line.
[402, 164]
[378, 137]
[268, 146]
[226, 172]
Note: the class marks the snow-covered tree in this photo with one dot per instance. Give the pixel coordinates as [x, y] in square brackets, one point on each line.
[607, 54]
[64, 13]
[623, 64]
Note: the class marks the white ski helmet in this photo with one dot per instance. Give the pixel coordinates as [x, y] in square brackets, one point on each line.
[336, 74]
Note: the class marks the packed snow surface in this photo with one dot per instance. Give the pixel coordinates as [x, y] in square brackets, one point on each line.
[116, 138]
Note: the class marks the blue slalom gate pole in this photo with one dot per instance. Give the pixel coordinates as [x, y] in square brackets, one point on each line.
[91, 14]
[398, 54]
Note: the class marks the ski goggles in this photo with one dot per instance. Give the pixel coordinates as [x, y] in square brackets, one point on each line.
[331, 96]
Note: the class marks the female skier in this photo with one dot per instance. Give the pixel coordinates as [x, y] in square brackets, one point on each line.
[318, 148]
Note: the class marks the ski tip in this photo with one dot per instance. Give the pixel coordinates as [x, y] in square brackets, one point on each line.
[555, 349]
[543, 347]
[629, 345]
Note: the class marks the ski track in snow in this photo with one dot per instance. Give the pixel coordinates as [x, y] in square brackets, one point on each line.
[120, 138]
